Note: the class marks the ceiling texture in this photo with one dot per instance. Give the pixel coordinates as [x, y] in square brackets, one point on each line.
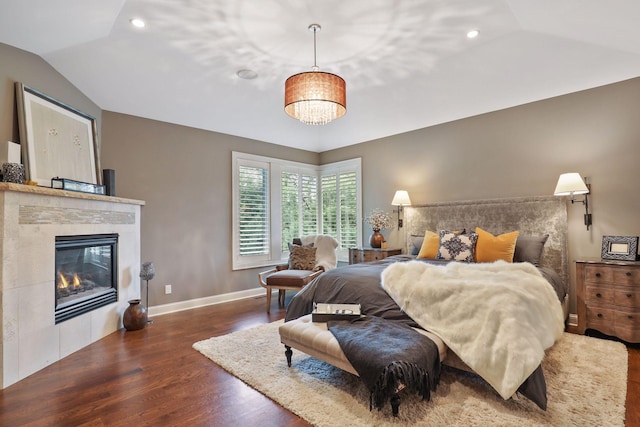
[408, 64]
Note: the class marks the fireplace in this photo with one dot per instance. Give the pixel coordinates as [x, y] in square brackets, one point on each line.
[85, 274]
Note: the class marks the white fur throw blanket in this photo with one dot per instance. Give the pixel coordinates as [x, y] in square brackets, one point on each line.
[499, 318]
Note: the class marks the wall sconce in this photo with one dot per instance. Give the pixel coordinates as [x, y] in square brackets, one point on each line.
[400, 199]
[570, 184]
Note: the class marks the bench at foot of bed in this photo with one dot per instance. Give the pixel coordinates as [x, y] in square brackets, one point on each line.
[315, 339]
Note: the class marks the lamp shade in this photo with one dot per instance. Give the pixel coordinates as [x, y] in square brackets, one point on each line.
[569, 184]
[315, 97]
[401, 198]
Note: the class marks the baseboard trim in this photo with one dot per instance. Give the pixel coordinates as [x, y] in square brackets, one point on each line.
[159, 310]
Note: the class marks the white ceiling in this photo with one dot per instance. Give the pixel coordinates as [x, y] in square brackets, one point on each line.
[408, 63]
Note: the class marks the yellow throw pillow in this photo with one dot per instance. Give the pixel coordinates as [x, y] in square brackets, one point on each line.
[430, 245]
[490, 248]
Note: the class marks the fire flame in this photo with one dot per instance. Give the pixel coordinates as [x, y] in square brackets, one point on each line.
[62, 284]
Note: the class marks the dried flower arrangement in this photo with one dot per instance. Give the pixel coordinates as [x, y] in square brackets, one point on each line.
[379, 220]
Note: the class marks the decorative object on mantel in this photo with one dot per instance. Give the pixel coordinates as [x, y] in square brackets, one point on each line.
[623, 248]
[378, 220]
[71, 185]
[315, 97]
[400, 199]
[147, 272]
[135, 316]
[56, 139]
[570, 184]
[13, 172]
[109, 181]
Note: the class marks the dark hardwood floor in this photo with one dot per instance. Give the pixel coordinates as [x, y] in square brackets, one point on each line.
[154, 377]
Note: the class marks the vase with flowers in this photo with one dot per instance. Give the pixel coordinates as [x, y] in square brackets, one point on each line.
[378, 220]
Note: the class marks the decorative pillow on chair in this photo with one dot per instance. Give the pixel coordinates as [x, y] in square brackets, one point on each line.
[302, 257]
[458, 247]
[529, 249]
[490, 248]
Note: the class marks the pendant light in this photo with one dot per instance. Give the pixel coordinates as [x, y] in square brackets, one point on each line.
[315, 97]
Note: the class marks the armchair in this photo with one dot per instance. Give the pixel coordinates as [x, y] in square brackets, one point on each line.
[306, 262]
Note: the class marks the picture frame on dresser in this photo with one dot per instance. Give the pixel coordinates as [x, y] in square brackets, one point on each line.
[624, 248]
[56, 140]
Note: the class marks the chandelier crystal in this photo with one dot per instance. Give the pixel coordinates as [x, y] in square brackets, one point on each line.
[315, 97]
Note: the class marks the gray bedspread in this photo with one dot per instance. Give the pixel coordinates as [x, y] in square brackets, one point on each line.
[360, 284]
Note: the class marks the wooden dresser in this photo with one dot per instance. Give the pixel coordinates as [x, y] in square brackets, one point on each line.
[357, 255]
[608, 297]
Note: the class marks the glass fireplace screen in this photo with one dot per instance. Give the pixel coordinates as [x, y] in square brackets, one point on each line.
[86, 274]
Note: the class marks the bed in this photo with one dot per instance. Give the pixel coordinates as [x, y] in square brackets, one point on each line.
[386, 290]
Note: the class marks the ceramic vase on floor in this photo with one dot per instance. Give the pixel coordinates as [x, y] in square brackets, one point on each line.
[376, 239]
[135, 316]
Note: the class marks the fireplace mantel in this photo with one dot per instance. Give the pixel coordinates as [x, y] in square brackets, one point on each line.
[31, 218]
[46, 191]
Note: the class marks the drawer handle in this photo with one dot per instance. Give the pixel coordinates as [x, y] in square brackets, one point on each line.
[629, 295]
[600, 315]
[629, 317]
[599, 295]
[628, 274]
[597, 274]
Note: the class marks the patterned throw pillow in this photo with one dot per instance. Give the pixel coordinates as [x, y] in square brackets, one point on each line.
[302, 257]
[458, 247]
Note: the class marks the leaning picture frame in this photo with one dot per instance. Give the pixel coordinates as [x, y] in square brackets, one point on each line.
[623, 248]
[57, 141]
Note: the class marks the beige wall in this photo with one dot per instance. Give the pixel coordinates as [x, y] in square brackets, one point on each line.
[19, 66]
[184, 175]
[520, 152]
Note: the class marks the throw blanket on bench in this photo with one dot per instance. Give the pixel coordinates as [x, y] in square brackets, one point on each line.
[498, 318]
[388, 355]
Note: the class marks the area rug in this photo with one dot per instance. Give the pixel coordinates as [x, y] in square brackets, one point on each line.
[586, 385]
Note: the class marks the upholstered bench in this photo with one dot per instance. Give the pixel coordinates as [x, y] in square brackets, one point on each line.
[315, 339]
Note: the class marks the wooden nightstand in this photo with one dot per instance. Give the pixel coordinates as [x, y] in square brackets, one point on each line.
[608, 297]
[357, 255]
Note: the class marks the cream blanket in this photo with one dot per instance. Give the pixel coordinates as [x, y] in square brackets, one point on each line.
[499, 318]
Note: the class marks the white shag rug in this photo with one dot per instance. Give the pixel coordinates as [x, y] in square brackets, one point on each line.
[586, 385]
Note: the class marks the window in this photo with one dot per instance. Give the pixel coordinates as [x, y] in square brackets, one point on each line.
[276, 200]
[299, 205]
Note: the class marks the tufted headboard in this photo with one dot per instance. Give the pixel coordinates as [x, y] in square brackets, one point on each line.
[532, 216]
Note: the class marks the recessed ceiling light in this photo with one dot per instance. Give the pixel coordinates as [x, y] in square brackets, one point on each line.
[247, 74]
[137, 22]
[473, 34]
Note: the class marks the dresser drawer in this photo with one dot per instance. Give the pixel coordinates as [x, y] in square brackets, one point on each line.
[627, 298]
[598, 274]
[629, 335]
[601, 319]
[626, 276]
[628, 320]
[598, 295]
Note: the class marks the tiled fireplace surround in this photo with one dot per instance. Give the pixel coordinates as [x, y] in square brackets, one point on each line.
[31, 218]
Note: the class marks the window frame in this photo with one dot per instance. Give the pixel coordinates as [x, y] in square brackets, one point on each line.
[275, 167]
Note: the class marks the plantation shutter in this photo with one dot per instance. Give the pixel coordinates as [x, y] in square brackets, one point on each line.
[309, 189]
[253, 210]
[290, 208]
[299, 206]
[348, 210]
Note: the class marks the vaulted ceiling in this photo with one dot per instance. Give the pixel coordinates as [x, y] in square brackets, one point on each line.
[408, 64]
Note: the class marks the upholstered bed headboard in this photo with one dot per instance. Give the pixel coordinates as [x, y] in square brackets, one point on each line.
[532, 216]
